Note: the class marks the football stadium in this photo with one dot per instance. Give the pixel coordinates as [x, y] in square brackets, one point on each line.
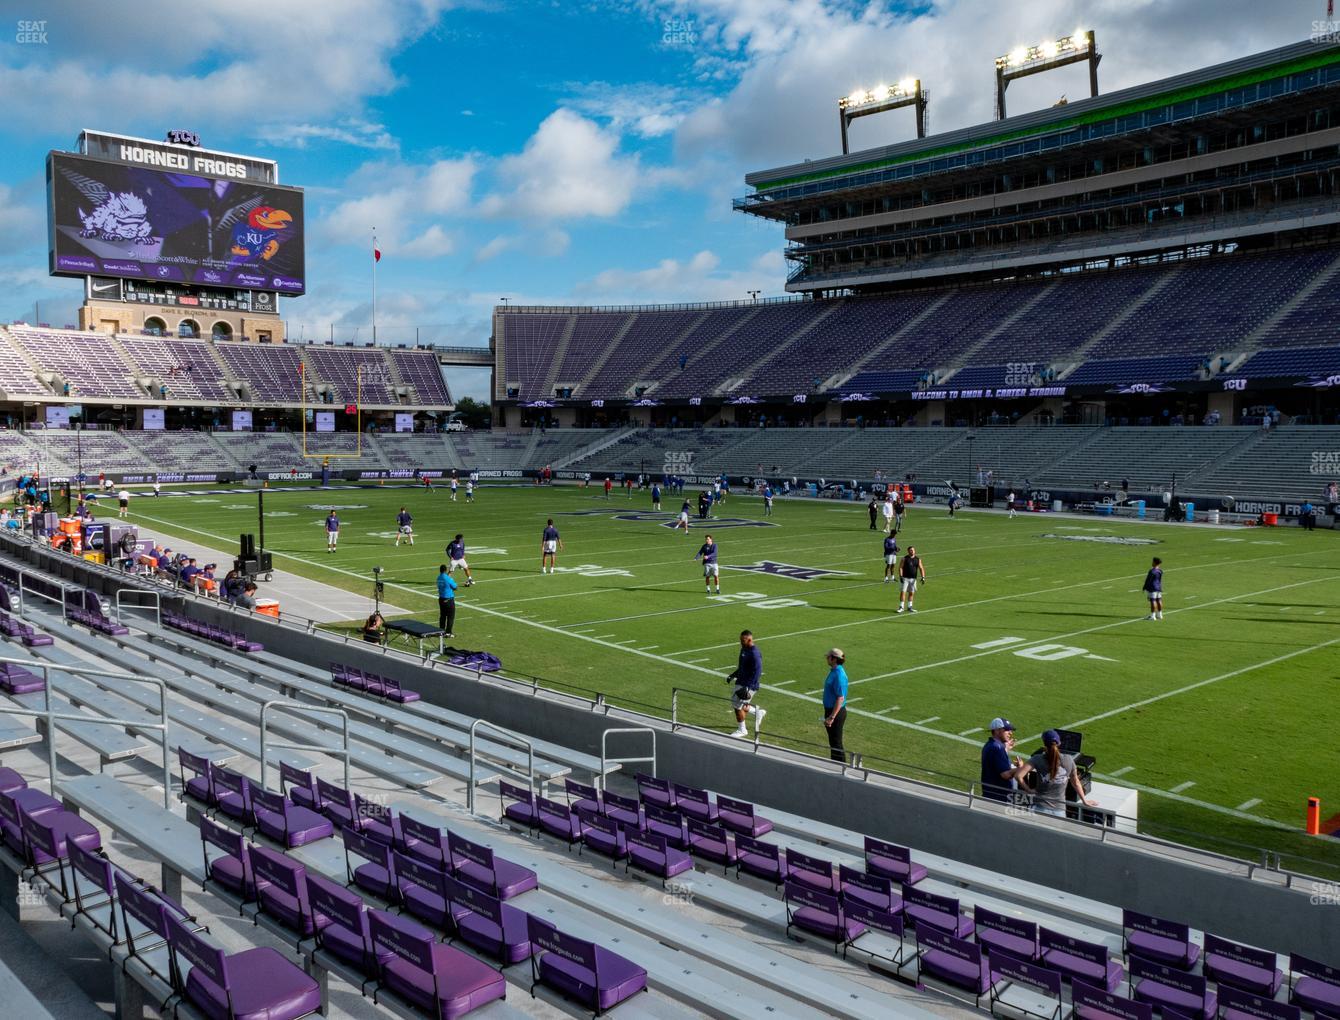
[955, 631]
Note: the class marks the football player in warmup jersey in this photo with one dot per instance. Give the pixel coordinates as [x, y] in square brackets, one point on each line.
[550, 545]
[767, 500]
[1153, 589]
[404, 526]
[711, 569]
[683, 522]
[332, 531]
[455, 484]
[890, 558]
[456, 558]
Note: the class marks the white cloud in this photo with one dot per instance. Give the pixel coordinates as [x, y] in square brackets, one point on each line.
[569, 169]
[398, 201]
[494, 247]
[699, 278]
[264, 63]
[644, 109]
[358, 133]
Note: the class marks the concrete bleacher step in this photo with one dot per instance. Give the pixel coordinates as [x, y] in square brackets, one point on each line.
[110, 743]
[215, 730]
[14, 733]
[32, 984]
[435, 724]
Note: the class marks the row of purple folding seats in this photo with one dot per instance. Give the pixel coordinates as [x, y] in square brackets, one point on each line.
[217, 635]
[219, 790]
[387, 688]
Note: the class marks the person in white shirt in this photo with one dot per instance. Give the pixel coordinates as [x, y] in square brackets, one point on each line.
[123, 503]
[887, 510]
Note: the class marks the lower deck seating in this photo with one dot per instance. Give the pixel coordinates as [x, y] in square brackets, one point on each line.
[218, 635]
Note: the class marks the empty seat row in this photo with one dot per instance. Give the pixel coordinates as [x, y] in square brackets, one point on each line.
[386, 688]
[217, 635]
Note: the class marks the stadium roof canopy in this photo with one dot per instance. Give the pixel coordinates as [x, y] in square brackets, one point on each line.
[1180, 95]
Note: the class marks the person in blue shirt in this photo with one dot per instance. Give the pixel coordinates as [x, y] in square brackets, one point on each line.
[655, 496]
[1153, 588]
[1000, 774]
[835, 703]
[707, 552]
[748, 672]
[550, 545]
[890, 558]
[332, 531]
[767, 500]
[404, 526]
[456, 557]
[446, 600]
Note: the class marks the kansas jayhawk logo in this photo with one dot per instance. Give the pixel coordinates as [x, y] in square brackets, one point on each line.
[259, 236]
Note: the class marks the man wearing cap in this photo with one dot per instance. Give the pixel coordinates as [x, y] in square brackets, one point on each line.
[1000, 775]
[835, 703]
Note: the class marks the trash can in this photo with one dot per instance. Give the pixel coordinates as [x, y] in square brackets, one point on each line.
[1212, 516]
[1139, 508]
[1190, 512]
[1056, 506]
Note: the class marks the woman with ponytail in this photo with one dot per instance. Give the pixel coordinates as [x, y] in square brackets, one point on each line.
[1054, 771]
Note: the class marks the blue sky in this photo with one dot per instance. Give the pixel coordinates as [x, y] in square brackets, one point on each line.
[564, 152]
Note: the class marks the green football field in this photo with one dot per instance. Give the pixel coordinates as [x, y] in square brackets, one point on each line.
[1223, 715]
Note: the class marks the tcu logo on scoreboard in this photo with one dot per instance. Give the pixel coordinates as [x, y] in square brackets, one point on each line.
[1235, 384]
[183, 138]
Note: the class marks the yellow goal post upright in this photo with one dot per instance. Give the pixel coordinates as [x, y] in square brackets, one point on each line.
[309, 453]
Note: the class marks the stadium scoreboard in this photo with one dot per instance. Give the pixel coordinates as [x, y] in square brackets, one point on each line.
[171, 213]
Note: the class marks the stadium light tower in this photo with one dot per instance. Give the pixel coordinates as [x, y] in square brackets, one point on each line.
[864, 102]
[1023, 61]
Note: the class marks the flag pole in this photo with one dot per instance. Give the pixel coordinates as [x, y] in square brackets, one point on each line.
[374, 284]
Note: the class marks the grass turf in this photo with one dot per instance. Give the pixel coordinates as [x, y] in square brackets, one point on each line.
[1222, 714]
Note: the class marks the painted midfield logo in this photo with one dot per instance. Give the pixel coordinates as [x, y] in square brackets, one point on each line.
[790, 570]
[1106, 539]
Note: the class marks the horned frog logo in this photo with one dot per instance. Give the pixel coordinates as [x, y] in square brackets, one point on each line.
[121, 216]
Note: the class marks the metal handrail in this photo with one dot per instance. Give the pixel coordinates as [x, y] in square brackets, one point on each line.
[50, 715]
[605, 759]
[157, 605]
[293, 707]
[474, 758]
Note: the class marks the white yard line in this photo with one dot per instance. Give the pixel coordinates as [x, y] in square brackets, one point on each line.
[1183, 787]
[1122, 771]
[1247, 805]
[923, 722]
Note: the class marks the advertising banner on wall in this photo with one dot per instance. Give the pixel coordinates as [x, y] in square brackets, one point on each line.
[404, 421]
[153, 419]
[241, 421]
[325, 421]
[58, 417]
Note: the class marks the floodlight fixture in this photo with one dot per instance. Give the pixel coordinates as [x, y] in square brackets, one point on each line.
[861, 102]
[1077, 47]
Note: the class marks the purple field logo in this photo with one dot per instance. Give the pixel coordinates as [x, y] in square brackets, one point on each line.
[790, 570]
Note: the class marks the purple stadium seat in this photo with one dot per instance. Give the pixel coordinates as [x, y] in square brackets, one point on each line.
[1092, 1003]
[712, 843]
[475, 864]
[445, 981]
[1235, 1004]
[394, 692]
[952, 960]
[874, 891]
[603, 835]
[341, 920]
[487, 923]
[814, 872]
[655, 791]
[1159, 940]
[669, 824]
[230, 793]
[233, 869]
[1075, 958]
[14, 807]
[337, 804]
[1013, 935]
[377, 872]
[423, 891]
[379, 822]
[892, 861]
[298, 785]
[695, 803]
[820, 914]
[47, 839]
[1318, 984]
[625, 810]
[739, 817]
[582, 971]
[286, 823]
[1014, 971]
[197, 786]
[518, 804]
[559, 820]
[1252, 970]
[424, 841]
[1172, 988]
[93, 895]
[651, 853]
[890, 925]
[927, 910]
[11, 781]
[144, 912]
[760, 859]
[582, 797]
[255, 983]
[283, 890]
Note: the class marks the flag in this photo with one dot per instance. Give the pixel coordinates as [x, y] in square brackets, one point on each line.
[376, 253]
